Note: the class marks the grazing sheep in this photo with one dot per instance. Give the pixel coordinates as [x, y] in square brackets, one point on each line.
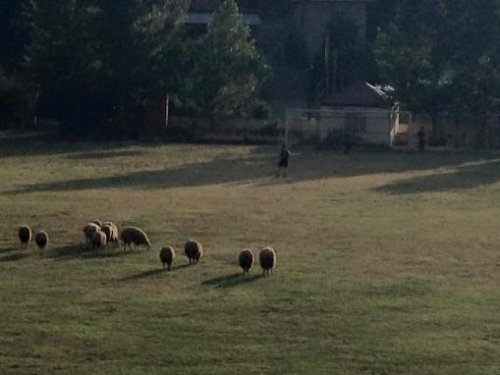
[136, 236]
[89, 230]
[193, 250]
[167, 255]
[267, 258]
[24, 236]
[111, 232]
[98, 240]
[42, 239]
[246, 260]
[96, 222]
[111, 224]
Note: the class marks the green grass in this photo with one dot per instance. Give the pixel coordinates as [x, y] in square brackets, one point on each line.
[387, 262]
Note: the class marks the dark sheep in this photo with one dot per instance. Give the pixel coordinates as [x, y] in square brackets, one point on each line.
[136, 236]
[42, 239]
[246, 260]
[98, 240]
[25, 235]
[193, 250]
[167, 255]
[267, 258]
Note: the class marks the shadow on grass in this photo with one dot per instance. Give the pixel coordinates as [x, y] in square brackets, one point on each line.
[14, 144]
[146, 274]
[84, 251]
[231, 281]
[8, 250]
[15, 257]
[463, 177]
[258, 166]
[143, 275]
[104, 254]
[105, 154]
[215, 172]
[68, 252]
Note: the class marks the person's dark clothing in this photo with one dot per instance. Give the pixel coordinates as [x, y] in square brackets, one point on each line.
[284, 157]
[421, 139]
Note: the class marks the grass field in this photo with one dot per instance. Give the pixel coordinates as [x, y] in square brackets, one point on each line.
[388, 263]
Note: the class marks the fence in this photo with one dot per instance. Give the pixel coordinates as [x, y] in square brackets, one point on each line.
[340, 128]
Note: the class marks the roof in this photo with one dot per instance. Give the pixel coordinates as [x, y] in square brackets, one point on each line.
[359, 94]
[207, 17]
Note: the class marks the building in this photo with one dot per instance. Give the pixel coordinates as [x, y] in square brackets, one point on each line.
[365, 112]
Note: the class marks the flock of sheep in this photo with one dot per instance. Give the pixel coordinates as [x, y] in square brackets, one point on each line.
[98, 234]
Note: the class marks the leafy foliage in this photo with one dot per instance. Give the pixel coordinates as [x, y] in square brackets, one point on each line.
[341, 61]
[227, 67]
[65, 59]
[442, 56]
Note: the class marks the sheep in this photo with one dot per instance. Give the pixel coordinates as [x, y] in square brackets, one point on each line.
[98, 240]
[42, 239]
[193, 250]
[267, 258]
[246, 260]
[111, 232]
[89, 230]
[24, 234]
[96, 222]
[111, 224]
[136, 236]
[167, 255]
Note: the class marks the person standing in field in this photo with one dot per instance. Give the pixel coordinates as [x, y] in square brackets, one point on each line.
[421, 139]
[284, 157]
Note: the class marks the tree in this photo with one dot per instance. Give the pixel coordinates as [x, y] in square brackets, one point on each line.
[227, 67]
[164, 44]
[341, 61]
[94, 59]
[475, 61]
[14, 96]
[12, 35]
[442, 56]
[64, 60]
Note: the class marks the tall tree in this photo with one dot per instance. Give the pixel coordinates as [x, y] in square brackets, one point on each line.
[92, 59]
[12, 34]
[227, 67]
[341, 61]
[164, 44]
[14, 96]
[475, 60]
[442, 56]
[64, 59]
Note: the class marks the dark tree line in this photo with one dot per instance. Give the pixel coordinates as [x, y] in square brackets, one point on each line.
[442, 56]
[83, 62]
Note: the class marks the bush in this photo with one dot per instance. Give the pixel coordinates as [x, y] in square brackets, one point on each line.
[261, 110]
[14, 102]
